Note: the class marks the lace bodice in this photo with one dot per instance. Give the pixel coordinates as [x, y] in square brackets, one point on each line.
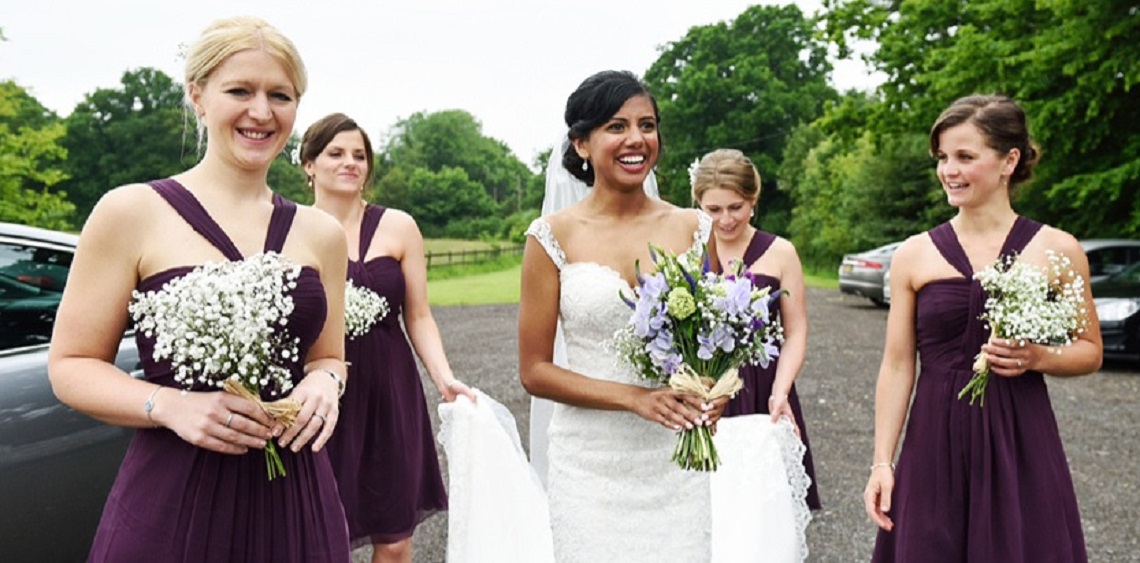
[589, 308]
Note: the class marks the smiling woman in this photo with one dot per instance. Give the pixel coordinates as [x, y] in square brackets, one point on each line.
[193, 484]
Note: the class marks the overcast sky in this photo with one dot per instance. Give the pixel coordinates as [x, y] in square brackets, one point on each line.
[510, 63]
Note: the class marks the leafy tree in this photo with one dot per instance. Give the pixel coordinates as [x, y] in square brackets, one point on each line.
[743, 84]
[287, 178]
[30, 162]
[1073, 65]
[135, 133]
[852, 194]
[454, 138]
[441, 201]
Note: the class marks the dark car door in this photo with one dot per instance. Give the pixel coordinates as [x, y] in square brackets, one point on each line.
[56, 465]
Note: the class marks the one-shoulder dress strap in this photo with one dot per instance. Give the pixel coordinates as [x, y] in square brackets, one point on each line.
[193, 213]
[368, 225]
[1023, 231]
[760, 243]
[542, 233]
[946, 241]
[279, 223]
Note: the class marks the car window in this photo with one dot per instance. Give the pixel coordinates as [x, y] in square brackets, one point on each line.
[31, 285]
[1111, 260]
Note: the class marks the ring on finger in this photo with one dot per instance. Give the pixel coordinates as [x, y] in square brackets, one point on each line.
[229, 419]
[1018, 363]
[322, 417]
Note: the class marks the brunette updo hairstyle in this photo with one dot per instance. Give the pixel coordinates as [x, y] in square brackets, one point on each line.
[726, 169]
[1002, 124]
[595, 101]
[320, 134]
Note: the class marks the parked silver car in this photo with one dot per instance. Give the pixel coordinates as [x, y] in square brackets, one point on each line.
[1110, 256]
[862, 273]
[56, 465]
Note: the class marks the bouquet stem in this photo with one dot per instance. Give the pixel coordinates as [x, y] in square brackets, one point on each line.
[695, 450]
[976, 387]
[283, 411]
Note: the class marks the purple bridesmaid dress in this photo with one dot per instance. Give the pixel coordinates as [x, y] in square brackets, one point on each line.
[977, 483]
[383, 451]
[173, 501]
[758, 381]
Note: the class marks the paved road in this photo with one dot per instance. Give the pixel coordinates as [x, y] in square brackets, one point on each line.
[1098, 417]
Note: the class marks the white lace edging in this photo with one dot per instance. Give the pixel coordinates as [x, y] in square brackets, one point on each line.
[792, 451]
[542, 233]
[704, 228]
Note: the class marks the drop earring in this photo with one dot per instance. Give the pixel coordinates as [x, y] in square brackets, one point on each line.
[585, 165]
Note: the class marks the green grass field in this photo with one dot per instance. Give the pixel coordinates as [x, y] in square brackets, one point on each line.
[502, 286]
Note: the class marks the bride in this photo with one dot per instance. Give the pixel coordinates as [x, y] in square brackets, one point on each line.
[612, 488]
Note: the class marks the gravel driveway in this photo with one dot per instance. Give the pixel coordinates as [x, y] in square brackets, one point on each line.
[1097, 416]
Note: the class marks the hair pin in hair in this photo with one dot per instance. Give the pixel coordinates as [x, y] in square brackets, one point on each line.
[693, 171]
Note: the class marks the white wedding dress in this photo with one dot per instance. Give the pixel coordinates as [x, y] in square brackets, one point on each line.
[614, 493]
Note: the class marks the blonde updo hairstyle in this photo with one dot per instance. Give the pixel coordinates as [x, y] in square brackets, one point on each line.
[225, 37]
[726, 169]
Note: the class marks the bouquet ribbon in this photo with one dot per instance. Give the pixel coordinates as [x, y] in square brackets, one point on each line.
[284, 411]
[688, 381]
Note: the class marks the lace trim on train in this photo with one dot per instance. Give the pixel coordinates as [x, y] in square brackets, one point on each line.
[792, 451]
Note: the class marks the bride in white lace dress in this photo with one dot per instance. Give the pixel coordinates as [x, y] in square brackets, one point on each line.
[614, 493]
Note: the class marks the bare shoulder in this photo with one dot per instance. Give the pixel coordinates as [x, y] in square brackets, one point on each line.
[317, 224]
[913, 255]
[683, 219]
[399, 222]
[784, 248]
[125, 211]
[1061, 241]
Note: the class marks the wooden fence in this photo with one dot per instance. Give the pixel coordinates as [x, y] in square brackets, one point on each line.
[457, 257]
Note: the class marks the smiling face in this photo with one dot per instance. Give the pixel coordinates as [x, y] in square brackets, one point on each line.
[342, 166]
[623, 150]
[730, 213]
[249, 105]
[972, 173]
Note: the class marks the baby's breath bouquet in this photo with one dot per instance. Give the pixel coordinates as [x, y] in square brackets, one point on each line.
[692, 329]
[1026, 303]
[363, 308]
[222, 326]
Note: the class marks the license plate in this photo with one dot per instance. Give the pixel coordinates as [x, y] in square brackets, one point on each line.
[845, 269]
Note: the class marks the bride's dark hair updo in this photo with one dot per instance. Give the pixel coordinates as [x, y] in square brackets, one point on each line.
[595, 101]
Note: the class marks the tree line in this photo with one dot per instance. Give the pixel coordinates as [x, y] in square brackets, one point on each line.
[842, 171]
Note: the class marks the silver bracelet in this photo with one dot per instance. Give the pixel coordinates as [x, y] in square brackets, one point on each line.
[149, 404]
[339, 380]
[875, 466]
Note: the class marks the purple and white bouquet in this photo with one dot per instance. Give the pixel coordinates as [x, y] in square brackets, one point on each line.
[363, 308]
[1026, 303]
[692, 329]
[222, 326]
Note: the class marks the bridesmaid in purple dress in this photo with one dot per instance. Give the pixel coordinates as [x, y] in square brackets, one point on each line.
[973, 483]
[193, 485]
[383, 452]
[727, 186]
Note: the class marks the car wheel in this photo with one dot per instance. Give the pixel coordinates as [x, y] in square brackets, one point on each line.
[880, 303]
